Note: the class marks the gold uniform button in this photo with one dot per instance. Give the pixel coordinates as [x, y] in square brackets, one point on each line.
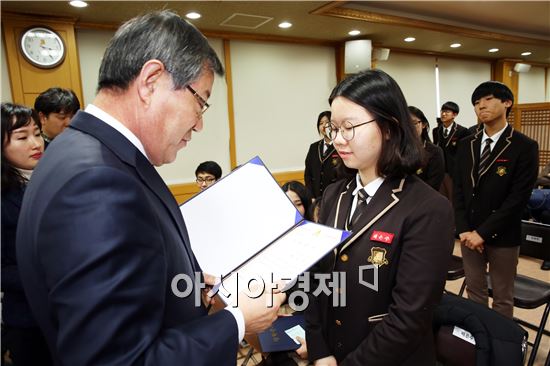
[338, 322]
[344, 257]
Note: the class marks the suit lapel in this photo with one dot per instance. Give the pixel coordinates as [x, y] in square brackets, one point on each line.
[385, 198]
[128, 153]
[475, 148]
[502, 144]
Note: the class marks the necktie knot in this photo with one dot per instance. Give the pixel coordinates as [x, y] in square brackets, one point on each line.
[362, 196]
[445, 132]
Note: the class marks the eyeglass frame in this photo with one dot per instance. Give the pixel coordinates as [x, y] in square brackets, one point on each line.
[207, 180]
[202, 102]
[332, 127]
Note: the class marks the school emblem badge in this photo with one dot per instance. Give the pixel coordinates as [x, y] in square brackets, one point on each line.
[334, 161]
[501, 170]
[419, 171]
[377, 256]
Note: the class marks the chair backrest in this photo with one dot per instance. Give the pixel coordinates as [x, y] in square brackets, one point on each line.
[498, 340]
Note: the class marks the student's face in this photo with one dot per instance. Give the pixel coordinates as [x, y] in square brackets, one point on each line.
[418, 125]
[25, 147]
[205, 180]
[54, 123]
[447, 116]
[363, 151]
[324, 122]
[293, 196]
[172, 118]
[489, 109]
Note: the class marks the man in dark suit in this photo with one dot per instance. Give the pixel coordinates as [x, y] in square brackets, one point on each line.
[102, 239]
[493, 182]
[447, 135]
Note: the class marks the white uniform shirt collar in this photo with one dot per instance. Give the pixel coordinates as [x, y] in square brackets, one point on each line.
[494, 138]
[117, 125]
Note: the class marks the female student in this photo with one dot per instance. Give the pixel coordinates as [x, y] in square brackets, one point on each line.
[22, 147]
[396, 258]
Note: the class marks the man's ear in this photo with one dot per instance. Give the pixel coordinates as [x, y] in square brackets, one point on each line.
[508, 103]
[42, 117]
[150, 72]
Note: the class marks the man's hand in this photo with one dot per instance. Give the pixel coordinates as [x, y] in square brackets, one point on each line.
[209, 281]
[327, 361]
[258, 313]
[302, 351]
[472, 240]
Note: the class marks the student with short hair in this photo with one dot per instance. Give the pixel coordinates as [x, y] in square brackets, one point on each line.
[493, 182]
[56, 108]
[207, 173]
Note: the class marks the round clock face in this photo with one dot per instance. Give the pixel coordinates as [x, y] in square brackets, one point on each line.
[42, 47]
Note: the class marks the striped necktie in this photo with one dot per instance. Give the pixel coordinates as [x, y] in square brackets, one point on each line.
[362, 196]
[484, 158]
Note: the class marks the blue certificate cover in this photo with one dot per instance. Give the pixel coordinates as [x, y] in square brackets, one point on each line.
[275, 339]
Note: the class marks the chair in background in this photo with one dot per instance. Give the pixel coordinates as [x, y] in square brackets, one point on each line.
[531, 293]
[456, 272]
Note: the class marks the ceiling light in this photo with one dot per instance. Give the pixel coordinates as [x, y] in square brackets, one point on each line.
[78, 3]
[354, 32]
[492, 50]
[193, 15]
[285, 25]
[526, 53]
[455, 45]
[410, 39]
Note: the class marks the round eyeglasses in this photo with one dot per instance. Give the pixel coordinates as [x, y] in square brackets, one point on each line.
[347, 130]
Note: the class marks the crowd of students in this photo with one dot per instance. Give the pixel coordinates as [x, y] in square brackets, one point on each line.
[374, 172]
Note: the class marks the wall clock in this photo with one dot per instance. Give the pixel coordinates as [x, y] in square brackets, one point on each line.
[42, 47]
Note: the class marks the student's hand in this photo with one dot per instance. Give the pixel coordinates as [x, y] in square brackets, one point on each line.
[327, 361]
[209, 281]
[476, 241]
[258, 312]
[302, 351]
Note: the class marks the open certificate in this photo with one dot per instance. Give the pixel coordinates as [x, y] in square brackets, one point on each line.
[245, 228]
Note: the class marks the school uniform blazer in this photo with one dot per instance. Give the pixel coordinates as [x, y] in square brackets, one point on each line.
[449, 144]
[434, 170]
[100, 240]
[493, 203]
[320, 169]
[405, 230]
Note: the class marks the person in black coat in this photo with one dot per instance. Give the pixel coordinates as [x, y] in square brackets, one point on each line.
[433, 169]
[22, 147]
[323, 165]
[493, 182]
[395, 260]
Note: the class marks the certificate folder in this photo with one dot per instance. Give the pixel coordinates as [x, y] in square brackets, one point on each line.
[245, 224]
[275, 339]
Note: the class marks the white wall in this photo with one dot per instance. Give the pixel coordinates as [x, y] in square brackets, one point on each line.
[6, 87]
[279, 90]
[457, 81]
[531, 88]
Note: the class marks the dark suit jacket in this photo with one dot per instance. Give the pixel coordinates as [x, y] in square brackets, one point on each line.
[449, 144]
[434, 170]
[320, 169]
[493, 203]
[409, 285]
[15, 308]
[100, 241]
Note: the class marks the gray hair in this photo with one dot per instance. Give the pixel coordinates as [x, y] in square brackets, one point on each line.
[163, 36]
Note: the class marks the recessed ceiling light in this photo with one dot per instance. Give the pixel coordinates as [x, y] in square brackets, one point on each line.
[285, 25]
[455, 45]
[492, 50]
[526, 53]
[410, 39]
[193, 15]
[78, 3]
[354, 32]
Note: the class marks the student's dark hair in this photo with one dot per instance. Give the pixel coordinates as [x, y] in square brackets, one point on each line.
[425, 124]
[57, 100]
[14, 116]
[450, 106]
[162, 36]
[210, 167]
[321, 115]
[497, 90]
[380, 95]
[303, 193]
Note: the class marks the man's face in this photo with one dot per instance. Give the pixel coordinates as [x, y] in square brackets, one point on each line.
[489, 109]
[447, 117]
[54, 123]
[205, 180]
[172, 116]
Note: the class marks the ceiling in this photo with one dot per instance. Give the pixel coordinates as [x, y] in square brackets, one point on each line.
[511, 26]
